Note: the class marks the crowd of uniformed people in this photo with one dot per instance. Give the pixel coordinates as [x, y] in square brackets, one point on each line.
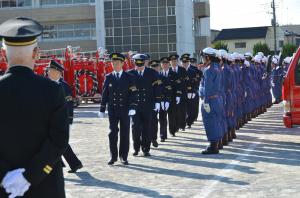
[158, 98]
[162, 97]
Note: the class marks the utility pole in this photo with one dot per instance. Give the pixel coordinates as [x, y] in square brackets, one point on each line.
[274, 24]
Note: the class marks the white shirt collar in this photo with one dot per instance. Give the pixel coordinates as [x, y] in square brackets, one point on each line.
[176, 68]
[120, 73]
[141, 71]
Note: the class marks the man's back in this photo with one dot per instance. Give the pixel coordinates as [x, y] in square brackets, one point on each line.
[34, 129]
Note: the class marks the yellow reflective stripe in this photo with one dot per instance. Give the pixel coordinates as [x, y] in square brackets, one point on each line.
[20, 43]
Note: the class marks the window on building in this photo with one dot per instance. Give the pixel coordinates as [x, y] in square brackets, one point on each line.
[240, 45]
[109, 32]
[69, 2]
[171, 10]
[69, 31]
[281, 43]
[15, 3]
[172, 47]
[298, 41]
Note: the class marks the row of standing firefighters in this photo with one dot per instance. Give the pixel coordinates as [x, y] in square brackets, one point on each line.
[233, 89]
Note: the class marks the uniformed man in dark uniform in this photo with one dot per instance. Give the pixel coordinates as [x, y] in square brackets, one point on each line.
[154, 64]
[199, 75]
[119, 92]
[177, 87]
[147, 83]
[33, 118]
[168, 98]
[192, 89]
[55, 73]
[183, 78]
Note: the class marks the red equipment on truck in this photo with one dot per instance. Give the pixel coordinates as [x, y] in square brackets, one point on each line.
[291, 93]
[3, 63]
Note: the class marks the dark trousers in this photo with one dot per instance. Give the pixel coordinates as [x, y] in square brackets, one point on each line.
[141, 130]
[190, 112]
[71, 158]
[154, 126]
[114, 120]
[173, 115]
[163, 122]
[196, 107]
[182, 110]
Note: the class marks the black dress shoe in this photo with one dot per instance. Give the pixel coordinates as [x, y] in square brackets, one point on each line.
[111, 162]
[147, 154]
[173, 134]
[162, 140]
[136, 153]
[211, 149]
[125, 162]
[155, 144]
[76, 168]
[189, 126]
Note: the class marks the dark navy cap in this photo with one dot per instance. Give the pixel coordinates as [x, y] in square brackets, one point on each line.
[117, 56]
[139, 59]
[165, 59]
[185, 57]
[193, 60]
[173, 56]
[154, 63]
[55, 65]
[20, 31]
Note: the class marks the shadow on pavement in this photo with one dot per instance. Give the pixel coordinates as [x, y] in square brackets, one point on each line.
[86, 179]
[184, 174]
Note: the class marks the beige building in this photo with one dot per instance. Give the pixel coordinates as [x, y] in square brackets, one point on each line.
[243, 39]
[292, 34]
[157, 27]
[66, 22]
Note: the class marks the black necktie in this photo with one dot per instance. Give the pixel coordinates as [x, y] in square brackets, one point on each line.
[140, 73]
[118, 76]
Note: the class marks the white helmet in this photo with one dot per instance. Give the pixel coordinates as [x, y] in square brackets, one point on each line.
[223, 53]
[265, 59]
[261, 54]
[209, 51]
[229, 57]
[275, 60]
[287, 60]
[257, 59]
[242, 57]
[235, 56]
[248, 54]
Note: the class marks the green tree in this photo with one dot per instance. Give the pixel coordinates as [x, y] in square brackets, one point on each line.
[220, 45]
[261, 47]
[288, 50]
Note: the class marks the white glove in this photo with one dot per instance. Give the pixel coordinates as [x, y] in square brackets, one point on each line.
[247, 63]
[162, 104]
[101, 115]
[167, 105]
[177, 100]
[15, 183]
[273, 84]
[245, 94]
[157, 107]
[193, 95]
[189, 95]
[206, 107]
[131, 112]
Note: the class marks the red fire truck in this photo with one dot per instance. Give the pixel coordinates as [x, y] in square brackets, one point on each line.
[291, 93]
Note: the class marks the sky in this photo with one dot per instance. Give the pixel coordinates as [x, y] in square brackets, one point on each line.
[252, 13]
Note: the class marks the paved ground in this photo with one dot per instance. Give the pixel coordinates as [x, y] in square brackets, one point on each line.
[263, 162]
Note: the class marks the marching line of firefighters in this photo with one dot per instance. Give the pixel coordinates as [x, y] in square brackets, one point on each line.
[233, 89]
